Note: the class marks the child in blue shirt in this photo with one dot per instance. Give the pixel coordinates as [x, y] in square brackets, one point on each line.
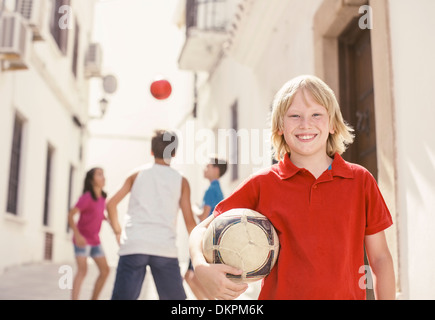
[213, 195]
[215, 169]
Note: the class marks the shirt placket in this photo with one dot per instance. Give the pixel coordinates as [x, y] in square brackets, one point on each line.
[316, 188]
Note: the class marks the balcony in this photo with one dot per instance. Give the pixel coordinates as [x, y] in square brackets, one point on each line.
[206, 31]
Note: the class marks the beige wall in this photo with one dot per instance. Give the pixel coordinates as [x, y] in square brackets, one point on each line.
[412, 51]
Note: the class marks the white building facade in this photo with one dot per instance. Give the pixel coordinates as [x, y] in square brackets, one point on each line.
[44, 93]
[377, 57]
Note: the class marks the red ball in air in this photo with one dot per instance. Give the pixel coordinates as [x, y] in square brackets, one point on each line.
[161, 89]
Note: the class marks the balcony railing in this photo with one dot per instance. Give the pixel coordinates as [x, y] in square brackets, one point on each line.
[206, 26]
[207, 15]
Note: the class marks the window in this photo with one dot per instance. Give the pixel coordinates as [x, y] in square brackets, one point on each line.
[50, 152]
[59, 24]
[234, 144]
[14, 170]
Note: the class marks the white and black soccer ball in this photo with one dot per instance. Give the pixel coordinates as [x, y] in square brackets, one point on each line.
[244, 239]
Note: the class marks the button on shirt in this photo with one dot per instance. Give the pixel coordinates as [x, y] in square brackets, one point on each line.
[321, 224]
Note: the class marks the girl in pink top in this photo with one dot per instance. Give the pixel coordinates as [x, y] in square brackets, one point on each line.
[91, 206]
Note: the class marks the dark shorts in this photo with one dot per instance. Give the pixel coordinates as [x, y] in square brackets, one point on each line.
[130, 275]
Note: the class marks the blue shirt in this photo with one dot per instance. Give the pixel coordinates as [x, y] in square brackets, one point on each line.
[213, 195]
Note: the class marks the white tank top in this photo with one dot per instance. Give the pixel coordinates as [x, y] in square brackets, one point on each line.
[150, 222]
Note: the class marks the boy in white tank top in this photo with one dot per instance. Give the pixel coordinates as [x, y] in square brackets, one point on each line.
[157, 191]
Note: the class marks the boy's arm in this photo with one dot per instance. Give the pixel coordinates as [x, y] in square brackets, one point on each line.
[207, 201]
[381, 264]
[213, 276]
[186, 207]
[205, 212]
[113, 202]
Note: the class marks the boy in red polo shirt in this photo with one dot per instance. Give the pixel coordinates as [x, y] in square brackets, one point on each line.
[324, 209]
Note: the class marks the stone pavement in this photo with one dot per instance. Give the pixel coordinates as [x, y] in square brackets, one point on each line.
[46, 281]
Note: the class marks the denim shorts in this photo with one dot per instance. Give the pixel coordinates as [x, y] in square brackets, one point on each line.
[89, 251]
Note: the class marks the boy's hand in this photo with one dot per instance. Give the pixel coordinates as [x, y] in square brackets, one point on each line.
[214, 280]
[118, 238]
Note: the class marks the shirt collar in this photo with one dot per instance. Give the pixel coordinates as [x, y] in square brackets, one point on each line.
[286, 169]
[341, 168]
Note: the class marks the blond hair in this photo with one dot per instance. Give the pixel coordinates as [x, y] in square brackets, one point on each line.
[323, 95]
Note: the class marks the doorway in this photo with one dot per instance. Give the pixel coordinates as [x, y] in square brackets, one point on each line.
[358, 103]
[357, 94]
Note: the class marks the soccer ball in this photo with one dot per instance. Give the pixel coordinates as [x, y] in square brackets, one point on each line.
[244, 239]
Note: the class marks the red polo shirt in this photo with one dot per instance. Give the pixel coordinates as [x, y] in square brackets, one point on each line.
[321, 226]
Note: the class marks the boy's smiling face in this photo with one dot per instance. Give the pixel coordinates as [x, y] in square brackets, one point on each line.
[306, 126]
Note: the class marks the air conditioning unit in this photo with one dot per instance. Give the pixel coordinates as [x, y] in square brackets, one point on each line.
[33, 12]
[93, 60]
[15, 39]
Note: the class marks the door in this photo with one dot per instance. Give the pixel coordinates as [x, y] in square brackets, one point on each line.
[357, 103]
[357, 95]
